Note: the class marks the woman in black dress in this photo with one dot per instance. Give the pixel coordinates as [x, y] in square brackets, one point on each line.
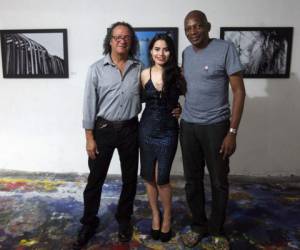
[158, 134]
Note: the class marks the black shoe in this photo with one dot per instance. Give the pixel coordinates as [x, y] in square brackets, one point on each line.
[155, 233]
[125, 232]
[84, 235]
[165, 237]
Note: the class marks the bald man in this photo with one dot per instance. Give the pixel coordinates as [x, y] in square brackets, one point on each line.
[208, 127]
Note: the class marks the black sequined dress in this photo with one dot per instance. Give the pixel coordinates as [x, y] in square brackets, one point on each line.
[158, 133]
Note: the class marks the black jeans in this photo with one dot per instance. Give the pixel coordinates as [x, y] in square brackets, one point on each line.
[108, 136]
[200, 146]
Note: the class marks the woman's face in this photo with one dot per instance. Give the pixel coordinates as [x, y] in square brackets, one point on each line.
[160, 52]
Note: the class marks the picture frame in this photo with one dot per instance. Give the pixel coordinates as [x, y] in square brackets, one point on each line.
[34, 53]
[145, 35]
[265, 52]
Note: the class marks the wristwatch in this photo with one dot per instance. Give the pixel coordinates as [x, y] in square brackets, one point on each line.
[233, 131]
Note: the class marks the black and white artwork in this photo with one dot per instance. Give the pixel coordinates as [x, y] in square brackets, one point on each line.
[34, 53]
[264, 52]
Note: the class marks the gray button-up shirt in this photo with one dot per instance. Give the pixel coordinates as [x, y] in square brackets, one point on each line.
[110, 95]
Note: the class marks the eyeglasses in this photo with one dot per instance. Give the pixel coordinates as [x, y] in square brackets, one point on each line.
[119, 38]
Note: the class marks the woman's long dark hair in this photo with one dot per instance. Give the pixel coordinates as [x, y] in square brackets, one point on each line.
[172, 76]
[134, 41]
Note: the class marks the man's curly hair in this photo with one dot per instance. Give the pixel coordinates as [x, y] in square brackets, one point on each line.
[134, 41]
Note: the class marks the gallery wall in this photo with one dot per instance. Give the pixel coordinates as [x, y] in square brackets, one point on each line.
[40, 119]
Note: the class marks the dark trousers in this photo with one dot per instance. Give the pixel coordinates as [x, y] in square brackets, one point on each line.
[200, 146]
[108, 136]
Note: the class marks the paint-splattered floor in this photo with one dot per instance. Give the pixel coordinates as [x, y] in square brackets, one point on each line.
[42, 211]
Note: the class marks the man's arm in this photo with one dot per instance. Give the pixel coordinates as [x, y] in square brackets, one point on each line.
[89, 114]
[238, 90]
[176, 112]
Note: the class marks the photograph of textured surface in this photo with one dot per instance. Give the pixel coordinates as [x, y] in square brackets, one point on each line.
[264, 52]
[34, 53]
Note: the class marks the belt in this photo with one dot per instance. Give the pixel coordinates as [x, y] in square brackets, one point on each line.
[102, 123]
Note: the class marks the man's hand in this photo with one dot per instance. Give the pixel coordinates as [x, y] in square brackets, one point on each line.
[176, 112]
[91, 148]
[228, 146]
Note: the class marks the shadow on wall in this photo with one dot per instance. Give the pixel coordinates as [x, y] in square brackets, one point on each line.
[269, 135]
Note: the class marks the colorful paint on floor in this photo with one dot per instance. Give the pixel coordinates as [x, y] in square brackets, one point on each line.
[42, 211]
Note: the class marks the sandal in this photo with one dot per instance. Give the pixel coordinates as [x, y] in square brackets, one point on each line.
[191, 238]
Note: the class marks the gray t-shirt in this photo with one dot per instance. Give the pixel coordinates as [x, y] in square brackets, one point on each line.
[110, 95]
[207, 75]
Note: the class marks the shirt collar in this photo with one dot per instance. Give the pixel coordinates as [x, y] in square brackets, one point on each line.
[107, 60]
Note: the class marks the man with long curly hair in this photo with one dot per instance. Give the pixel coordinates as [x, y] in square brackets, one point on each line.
[111, 106]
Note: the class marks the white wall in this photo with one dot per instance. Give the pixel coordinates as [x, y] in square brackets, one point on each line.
[40, 119]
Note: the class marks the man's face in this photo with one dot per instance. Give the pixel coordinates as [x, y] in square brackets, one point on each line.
[121, 40]
[196, 31]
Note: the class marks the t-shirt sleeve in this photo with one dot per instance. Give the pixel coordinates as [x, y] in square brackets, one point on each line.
[232, 60]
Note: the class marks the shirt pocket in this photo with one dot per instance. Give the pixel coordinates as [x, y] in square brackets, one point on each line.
[212, 70]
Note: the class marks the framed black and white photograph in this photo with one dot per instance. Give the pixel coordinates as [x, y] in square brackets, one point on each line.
[37, 53]
[265, 52]
[145, 35]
